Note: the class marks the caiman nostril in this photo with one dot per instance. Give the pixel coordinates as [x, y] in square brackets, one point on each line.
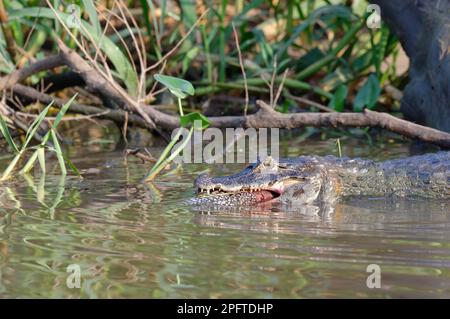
[202, 179]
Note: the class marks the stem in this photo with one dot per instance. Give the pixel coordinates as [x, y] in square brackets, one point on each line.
[222, 41]
[158, 168]
[162, 161]
[180, 107]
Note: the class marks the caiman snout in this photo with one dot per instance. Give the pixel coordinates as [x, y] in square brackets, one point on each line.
[260, 182]
[202, 179]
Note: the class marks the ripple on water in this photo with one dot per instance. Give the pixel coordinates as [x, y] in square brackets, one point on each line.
[143, 242]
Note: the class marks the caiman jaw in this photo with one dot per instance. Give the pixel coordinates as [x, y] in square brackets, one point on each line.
[259, 193]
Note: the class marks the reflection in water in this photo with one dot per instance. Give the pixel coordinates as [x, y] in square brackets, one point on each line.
[141, 240]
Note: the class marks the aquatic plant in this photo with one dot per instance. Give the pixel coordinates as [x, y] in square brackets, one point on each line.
[181, 89]
[48, 142]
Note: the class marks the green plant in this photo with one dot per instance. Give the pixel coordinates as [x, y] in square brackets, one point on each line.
[39, 150]
[181, 89]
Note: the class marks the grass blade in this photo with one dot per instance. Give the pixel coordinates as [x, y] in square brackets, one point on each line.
[5, 132]
[117, 57]
[59, 153]
[41, 158]
[72, 166]
[30, 163]
[92, 12]
[158, 168]
[62, 112]
[35, 125]
[10, 168]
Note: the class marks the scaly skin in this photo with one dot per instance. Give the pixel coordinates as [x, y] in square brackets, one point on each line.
[309, 179]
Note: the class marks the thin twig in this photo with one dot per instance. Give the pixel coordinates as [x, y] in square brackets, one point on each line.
[115, 115]
[65, 118]
[280, 88]
[144, 157]
[241, 63]
[178, 44]
[309, 102]
[272, 81]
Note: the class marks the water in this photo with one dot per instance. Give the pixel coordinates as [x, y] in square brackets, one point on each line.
[143, 243]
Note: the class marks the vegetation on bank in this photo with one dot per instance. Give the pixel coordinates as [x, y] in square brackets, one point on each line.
[298, 55]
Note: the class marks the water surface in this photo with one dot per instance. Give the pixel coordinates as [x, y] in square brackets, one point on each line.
[144, 243]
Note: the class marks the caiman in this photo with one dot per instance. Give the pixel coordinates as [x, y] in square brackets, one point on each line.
[310, 179]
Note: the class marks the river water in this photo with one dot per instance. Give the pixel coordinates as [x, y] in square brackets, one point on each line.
[145, 243]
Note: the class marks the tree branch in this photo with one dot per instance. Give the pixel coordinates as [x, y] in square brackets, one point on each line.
[153, 119]
[267, 117]
[118, 116]
[51, 62]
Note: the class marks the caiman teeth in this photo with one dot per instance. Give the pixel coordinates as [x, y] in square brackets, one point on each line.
[219, 189]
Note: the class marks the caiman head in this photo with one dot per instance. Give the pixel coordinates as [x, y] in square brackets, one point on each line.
[268, 180]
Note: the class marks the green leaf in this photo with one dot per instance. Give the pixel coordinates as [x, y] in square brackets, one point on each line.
[368, 95]
[41, 158]
[190, 55]
[329, 11]
[30, 163]
[202, 121]
[35, 125]
[10, 167]
[63, 111]
[5, 132]
[120, 61]
[337, 102]
[92, 12]
[178, 87]
[59, 153]
[72, 166]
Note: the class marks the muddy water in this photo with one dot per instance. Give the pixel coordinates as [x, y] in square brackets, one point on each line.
[140, 242]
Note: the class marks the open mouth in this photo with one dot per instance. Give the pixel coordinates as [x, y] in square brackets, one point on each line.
[236, 195]
[253, 195]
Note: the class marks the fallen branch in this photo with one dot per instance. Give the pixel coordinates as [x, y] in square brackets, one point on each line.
[118, 116]
[17, 76]
[267, 117]
[151, 118]
[97, 82]
[138, 153]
